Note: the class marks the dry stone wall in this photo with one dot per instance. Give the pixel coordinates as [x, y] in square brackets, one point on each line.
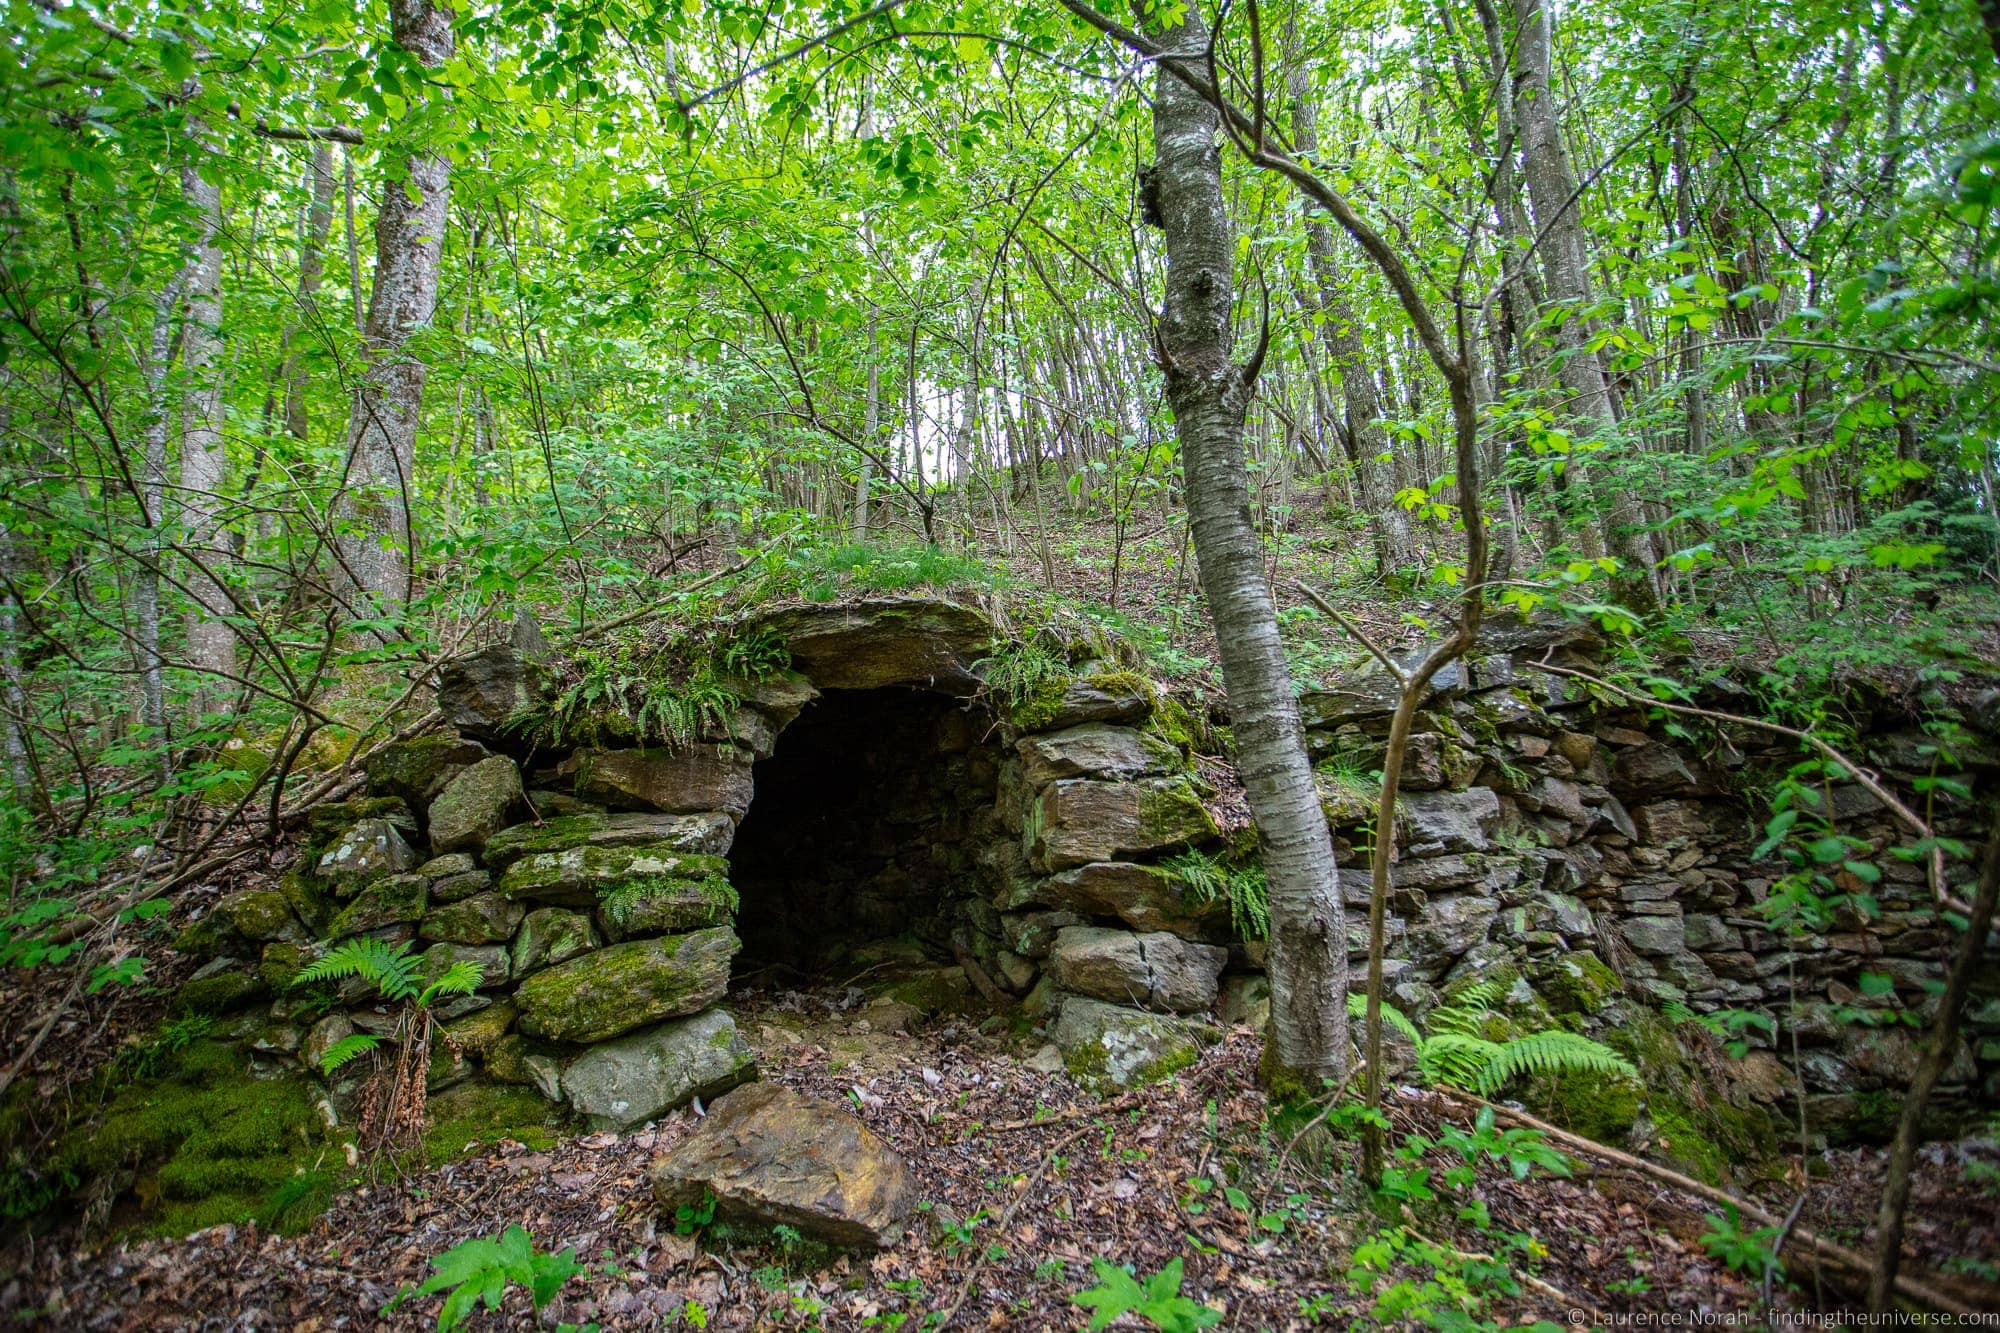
[1598, 869]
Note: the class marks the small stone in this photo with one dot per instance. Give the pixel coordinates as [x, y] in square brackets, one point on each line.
[491, 960]
[702, 777]
[397, 900]
[1449, 821]
[1081, 820]
[480, 1032]
[769, 1156]
[259, 914]
[480, 693]
[587, 876]
[1095, 749]
[325, 1035]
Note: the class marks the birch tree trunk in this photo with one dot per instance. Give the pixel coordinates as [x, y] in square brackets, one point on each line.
[1208, 393]
[375, 541]
[211, 643]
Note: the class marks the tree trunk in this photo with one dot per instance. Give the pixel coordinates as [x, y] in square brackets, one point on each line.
[1552, 192]
[1388, 522]
[312, 267]
[375, 542]
[152, 503]
[1208, 394]
[211, 643]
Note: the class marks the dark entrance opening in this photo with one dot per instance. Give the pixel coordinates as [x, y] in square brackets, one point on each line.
[864, 828]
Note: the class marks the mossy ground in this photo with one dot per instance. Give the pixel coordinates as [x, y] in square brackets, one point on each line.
[200, 1143]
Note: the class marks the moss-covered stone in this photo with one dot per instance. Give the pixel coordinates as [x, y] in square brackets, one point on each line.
[222, 993]
[585, 876]
[551, 935]
[414, 770]
[479, 1032]
[259, 914]
[551, 835]
[397, 900]
[1576, 985]
[1107, 1046]
[1601, 1107]
[626, 986]
[664, 904]
[485, 918]
[371, 850]
[282, 962]
[327, 822]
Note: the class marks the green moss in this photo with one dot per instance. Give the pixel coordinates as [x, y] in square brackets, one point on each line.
[1042, 705]
[1703, 1134]
[551, 835]
[1602, 1107]
[1172, 723]
[397, 900]
[1090, 1065]
[480, 1113]
[204, 1144]
[1576, 984]
[646, 904]
[218, 994]
[326, 822]
[1172, 812]
[282, 963]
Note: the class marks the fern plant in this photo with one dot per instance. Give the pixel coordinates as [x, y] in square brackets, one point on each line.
[1454, 1053]
[393, 1098]
[1205, 880]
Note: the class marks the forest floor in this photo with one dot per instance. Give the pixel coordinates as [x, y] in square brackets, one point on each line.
[1025, 1180]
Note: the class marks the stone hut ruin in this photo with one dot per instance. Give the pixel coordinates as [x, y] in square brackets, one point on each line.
[872, 815]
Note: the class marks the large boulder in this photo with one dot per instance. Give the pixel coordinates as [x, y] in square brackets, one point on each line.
[614, 990]
[1108, 1046]
[1078, 820]
[474, 806]
[880, 641]
[373, 849]
[482, 693]
[708, 833]
[769, 1156]
[610, 876]
[1095, 749]
[551, 935]
[685, 780]
[1154, 971]
[622, 1083]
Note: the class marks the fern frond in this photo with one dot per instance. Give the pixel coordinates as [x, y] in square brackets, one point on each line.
[1455, 1058]
[377, 962]
[461, 978]
[346, 1049]
[1551, 1052]
[1467, 1010]
[1357, 1008]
